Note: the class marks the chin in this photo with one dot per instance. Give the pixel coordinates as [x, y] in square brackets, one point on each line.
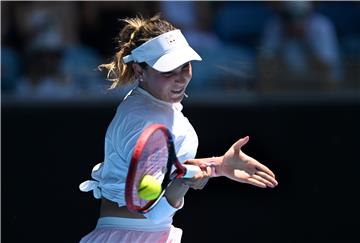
[178, 99]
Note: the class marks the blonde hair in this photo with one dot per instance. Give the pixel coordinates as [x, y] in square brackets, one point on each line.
[135, 32]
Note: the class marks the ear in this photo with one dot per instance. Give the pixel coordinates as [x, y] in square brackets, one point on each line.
[139, 71]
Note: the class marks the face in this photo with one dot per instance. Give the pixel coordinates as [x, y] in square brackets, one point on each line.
[169, 86]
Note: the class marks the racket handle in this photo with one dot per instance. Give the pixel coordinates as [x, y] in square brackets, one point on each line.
[191, 171]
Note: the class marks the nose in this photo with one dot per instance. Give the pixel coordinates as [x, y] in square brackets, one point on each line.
[183, 77]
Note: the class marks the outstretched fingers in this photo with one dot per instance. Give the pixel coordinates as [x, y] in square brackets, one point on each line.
[267, 177]
[256, 182]
[260, 181]
[261, 167]
[264, 178]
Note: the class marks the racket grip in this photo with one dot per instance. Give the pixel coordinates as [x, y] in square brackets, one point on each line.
[191, 171]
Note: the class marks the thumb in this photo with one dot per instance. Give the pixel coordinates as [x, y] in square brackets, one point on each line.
[241, 142]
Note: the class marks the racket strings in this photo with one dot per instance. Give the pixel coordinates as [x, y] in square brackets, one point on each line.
[153, 161]
[156, 162]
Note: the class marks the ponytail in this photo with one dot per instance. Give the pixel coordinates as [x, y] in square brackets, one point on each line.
[135, 32]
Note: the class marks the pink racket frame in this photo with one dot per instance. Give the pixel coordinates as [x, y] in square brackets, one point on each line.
[141, 142]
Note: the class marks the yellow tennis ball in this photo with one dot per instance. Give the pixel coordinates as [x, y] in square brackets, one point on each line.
[149, 188]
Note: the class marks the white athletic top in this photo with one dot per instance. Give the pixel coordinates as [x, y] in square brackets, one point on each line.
[138, 110]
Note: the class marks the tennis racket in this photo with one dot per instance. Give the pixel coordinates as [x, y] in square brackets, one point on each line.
[154, 154]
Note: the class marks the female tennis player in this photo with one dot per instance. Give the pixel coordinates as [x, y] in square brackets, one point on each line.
[156, 56]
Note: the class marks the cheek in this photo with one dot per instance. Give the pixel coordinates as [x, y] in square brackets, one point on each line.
[168, 85]
[189, 76]
[163, 85]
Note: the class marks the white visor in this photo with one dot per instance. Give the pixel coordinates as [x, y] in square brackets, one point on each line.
[165, 52]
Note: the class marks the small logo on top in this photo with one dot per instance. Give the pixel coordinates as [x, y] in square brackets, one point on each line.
[171, 40]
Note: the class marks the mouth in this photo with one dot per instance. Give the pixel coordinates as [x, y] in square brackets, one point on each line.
[178, 91]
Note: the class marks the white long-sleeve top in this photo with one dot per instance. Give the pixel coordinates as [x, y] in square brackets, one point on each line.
[138, 110]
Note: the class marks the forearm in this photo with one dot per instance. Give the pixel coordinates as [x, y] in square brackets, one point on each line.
[176, 192]
[170, 203]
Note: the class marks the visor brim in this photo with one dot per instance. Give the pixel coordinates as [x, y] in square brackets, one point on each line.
[174, 59]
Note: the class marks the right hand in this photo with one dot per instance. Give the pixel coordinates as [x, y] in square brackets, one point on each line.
[199, 181]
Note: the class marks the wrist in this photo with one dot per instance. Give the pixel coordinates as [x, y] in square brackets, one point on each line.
[216, 166]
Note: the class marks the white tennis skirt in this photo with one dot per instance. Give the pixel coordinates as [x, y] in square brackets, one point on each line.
[127, 230]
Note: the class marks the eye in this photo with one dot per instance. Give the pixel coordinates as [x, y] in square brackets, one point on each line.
[167, 74]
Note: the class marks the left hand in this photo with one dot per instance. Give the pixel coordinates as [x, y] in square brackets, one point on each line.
[238, 166]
